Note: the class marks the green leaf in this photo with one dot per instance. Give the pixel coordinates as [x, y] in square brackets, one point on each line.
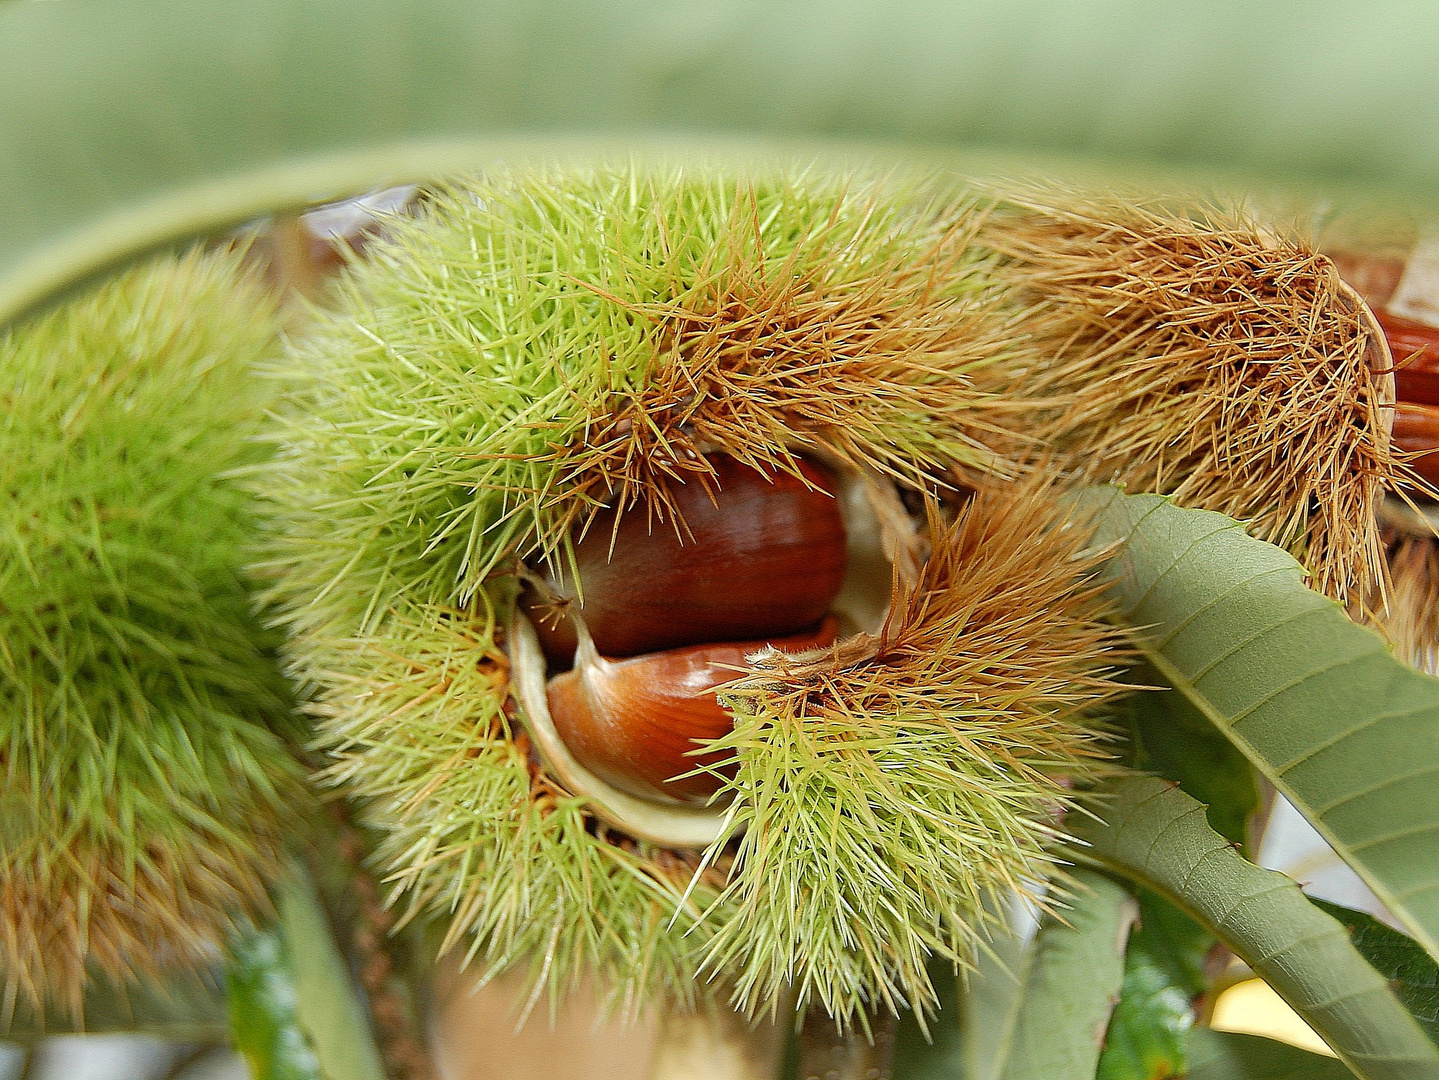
[185, 1008]
[1412, 973]
[991, 1005]
[328, 1007]
[1172, 939]
[1348, 733]
[1173, 739]
[1157, 836]
[1072, 982]
[1226, 1055]
[263, 1004]
[295, 1012]
[1148, 1036]
[124, 125]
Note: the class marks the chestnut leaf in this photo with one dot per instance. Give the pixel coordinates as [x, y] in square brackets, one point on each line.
[1409, 969]
[1319, 705]
[1228, 1055]
[1157, 836]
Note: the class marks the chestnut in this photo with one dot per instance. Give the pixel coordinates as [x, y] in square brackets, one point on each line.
[1415, 348]
[635, 722]
[757, 557]
[616, 730]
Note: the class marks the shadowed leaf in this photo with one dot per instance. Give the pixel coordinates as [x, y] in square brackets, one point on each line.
[294, 1009]
[1071, 986]
[1174, 740]
[991, 1007]
[1410, 970]
[264, 1025]
[1157, 835]
[1227, 1055]
[1148, 1035]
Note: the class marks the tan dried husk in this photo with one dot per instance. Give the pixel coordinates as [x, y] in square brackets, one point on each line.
[1411, 619]
[765, 363]
[1205, 356]
[67, 920]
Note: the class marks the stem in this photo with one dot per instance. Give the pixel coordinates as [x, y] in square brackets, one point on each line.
[394, 1014]
[827, 1053]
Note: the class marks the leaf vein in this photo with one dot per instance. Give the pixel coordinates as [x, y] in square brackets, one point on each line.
[1371, 789]
[1423, 887]
[1254, 636]
[1371, 720]
[1198, 864]
[1289, 946]
[1413, 830]
[1175, 561]
[1213, 602]
[1330, 1002]
[1278, 691]
[1273, 887]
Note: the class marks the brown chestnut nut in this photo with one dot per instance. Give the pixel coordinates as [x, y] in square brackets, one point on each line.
[763, 557]
[634, 722]
[1416, 431]
[1415, 348]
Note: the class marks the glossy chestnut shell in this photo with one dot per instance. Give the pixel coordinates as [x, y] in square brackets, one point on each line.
[879, 545]
[636, 722]
[760, 557]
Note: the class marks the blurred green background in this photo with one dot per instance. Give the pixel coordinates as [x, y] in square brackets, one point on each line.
[124, 125]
